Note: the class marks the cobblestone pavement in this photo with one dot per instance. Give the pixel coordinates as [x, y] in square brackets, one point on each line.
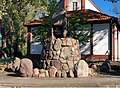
[99, 81]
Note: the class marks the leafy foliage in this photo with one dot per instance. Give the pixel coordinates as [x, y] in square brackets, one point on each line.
[13, 13]
[39, 34]
[51, 8]
[42, 31]
[76, 28]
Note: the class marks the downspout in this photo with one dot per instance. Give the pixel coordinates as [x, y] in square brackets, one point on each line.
[111, 42]
[82, 4]
[91, 41]
[28, 41]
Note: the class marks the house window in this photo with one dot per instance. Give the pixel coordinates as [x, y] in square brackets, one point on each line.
[74, 6]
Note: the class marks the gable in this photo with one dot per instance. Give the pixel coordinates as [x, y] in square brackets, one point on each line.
[90, 5]
[68, 5]
[90, 15]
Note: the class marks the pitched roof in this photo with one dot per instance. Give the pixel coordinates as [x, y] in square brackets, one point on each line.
[90, 15]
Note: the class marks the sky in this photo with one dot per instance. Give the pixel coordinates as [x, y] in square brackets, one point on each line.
[107, 7]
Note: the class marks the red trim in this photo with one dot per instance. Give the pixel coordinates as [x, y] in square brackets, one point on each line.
[113, 45]
[90, 15]
[95, 57]
[82, 4]
[113, 42]
[66, 5]
[33, 23]
[28, 42]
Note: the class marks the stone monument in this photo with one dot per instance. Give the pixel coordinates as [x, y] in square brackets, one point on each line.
[63, 53]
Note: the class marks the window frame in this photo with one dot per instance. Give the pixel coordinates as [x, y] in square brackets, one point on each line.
[75, 5]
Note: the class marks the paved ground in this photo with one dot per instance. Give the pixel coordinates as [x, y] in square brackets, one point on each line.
[100, 81]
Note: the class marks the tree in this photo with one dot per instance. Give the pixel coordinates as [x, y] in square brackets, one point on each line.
[47, 17]
[51, 8]
[75, 30]
[42, 31]
[13, 13]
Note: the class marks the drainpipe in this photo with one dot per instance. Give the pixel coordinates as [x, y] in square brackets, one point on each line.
[111, 41]
[28, 41]
[82, 4]
[91, 41]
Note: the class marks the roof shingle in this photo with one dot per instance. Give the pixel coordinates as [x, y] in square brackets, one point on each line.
[90, 15]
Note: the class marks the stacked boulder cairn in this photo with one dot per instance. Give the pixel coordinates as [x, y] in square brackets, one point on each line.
[65, 53]
[23, 67]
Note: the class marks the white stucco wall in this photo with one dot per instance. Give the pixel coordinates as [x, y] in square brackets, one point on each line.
[85, 48]
[116, 37]
[101, 39]
[88, 5]
[70, 4]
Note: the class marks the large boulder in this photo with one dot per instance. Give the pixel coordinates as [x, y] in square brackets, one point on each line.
[69, 42]
[71, 74]
[16, 64]
[59, 73]
[63, 74]
[57, 64]
[66, 52]
[94, 67]
[35, 72]
[57, 44]
[26, 68]
[42, 73]
[52, 71]
[46, 73]
[106, 66]
[81, 68]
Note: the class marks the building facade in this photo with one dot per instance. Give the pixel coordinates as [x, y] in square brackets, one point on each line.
[104, 30]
